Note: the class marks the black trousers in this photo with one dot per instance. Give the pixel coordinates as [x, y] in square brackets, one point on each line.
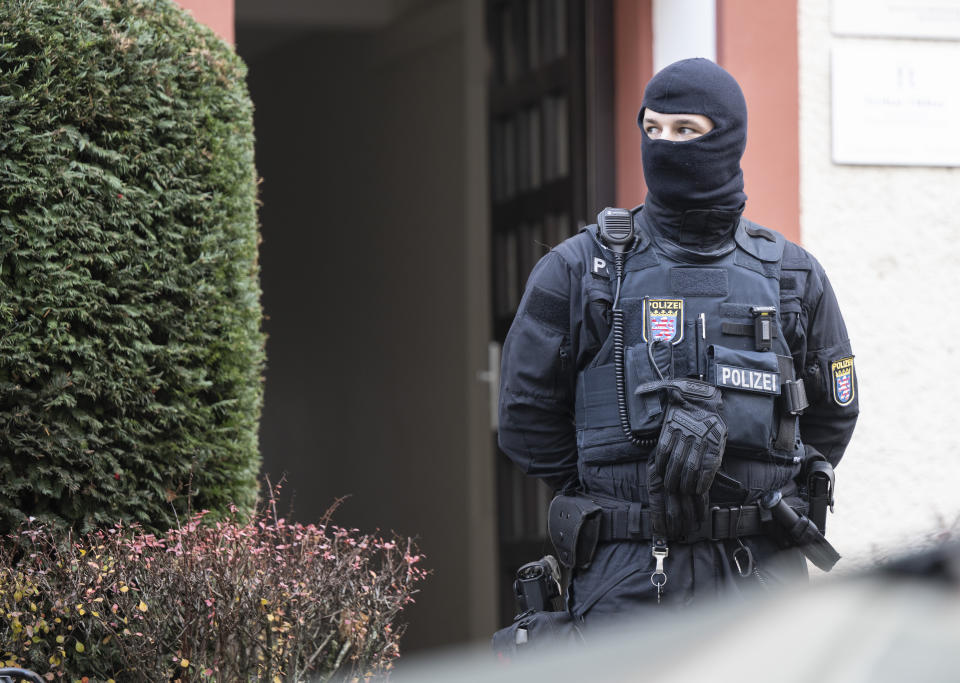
[618, 581]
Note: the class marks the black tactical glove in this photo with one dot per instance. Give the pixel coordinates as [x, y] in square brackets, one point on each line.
[687, 457]
[672, 515]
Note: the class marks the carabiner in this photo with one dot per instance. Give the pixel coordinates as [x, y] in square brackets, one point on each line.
[747, 570]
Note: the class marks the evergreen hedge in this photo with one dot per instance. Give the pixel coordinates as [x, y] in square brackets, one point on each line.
[130, 346]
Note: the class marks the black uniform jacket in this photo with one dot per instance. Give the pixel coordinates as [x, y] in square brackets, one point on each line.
[544, 351]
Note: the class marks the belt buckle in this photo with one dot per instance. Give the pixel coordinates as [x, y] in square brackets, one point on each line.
[733, 515]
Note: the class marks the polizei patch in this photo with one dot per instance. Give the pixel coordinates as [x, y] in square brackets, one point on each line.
[662, 320]
[746, 379]
[842, 373]
[600, 268]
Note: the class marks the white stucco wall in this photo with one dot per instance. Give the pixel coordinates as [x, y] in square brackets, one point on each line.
[888, 238]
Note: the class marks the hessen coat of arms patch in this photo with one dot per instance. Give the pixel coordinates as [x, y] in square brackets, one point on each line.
[662, 320]
[842, 373]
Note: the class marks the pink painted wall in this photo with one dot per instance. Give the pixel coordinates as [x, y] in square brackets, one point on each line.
[633, 67]
[217, 14]
[757, 43]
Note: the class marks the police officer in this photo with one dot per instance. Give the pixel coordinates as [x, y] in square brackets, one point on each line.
[682, 375]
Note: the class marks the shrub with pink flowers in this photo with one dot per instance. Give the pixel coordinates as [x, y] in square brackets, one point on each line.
[231, 600]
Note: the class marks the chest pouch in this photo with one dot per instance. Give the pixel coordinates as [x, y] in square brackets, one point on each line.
[647, 364]
[644, 403]
[750, 383]
[665, 353]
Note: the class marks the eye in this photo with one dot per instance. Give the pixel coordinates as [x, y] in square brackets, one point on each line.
[688, 133]
[653, 131]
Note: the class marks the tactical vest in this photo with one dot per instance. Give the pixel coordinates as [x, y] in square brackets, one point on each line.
[716, 320]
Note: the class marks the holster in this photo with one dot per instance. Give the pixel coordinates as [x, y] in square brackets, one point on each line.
[537, 586]
[801, 532]
[573, 524]
[820, 486]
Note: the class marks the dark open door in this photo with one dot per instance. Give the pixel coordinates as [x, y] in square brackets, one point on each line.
[551, 171]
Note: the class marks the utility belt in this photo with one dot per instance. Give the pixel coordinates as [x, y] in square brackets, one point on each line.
[577, 523]
[634, 523]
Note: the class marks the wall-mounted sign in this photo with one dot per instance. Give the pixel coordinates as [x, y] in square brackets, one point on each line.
[896, 104]
[897, 18]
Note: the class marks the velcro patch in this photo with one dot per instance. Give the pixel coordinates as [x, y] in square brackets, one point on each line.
[746, 379]
[549, 308]
[736, 311]
[699, 281]
[843, 388]
[633, 325]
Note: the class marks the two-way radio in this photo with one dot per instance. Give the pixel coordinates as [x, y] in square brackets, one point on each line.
[616, 228]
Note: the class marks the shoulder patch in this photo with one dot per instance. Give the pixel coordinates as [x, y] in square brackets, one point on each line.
[843, 386]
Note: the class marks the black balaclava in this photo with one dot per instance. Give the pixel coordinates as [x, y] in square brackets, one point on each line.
[696, 186]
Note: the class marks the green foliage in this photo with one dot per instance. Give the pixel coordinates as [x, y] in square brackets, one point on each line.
[260, 600]
[130, 345]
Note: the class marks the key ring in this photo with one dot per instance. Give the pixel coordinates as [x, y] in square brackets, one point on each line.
[659, 577]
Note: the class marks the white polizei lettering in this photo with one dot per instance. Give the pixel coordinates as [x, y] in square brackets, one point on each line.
[745, 378]
[599, 264]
